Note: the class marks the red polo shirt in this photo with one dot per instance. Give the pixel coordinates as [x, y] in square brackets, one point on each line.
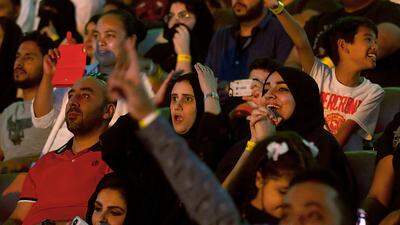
[61, 183]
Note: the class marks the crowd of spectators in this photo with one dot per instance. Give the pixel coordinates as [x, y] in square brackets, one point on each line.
[198, 112]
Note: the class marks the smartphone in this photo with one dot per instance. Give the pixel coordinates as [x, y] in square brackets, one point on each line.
[78, 221]
[240, 88]
[70, 66]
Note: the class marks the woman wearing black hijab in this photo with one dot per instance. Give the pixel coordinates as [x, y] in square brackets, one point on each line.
[291, 101]
[9, 43]
[196, 114]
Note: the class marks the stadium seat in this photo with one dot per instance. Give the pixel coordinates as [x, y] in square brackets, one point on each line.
[13, 182]
[363, 165]
[389, 107]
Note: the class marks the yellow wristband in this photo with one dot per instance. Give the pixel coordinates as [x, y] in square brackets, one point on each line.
[250, 146]
[54, 37]
[279, 9]
[184, 58]
[143, 123]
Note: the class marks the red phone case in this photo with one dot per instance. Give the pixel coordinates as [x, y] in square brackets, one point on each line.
[70, 66]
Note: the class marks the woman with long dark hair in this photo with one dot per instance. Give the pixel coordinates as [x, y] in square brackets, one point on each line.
[188, 30]
[109, 203]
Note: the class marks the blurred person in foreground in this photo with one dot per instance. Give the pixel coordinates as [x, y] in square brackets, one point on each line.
[317, 197]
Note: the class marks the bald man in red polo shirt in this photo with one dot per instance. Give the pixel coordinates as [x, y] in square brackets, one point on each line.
[58, 187]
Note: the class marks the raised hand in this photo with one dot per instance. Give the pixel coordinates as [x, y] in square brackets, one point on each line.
[261, 126]
[49, 67]
[49, 63]
[207, 80]
[126, 82]
[208, 84]
[161, 93]
[126, 69]
[182, 41]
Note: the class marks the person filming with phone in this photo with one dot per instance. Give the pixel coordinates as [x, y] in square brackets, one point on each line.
[289, 100]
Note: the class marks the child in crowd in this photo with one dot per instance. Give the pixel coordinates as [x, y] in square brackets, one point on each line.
[279, 159]
[351, 103]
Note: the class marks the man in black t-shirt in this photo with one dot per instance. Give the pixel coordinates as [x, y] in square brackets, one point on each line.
[386, 15]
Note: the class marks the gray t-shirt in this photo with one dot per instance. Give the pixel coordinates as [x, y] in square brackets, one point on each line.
[18, 137]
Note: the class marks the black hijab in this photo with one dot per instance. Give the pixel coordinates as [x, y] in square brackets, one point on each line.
[189, 136]
[308, 113]
[8, 50]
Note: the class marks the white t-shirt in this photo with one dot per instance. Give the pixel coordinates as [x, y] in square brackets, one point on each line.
[18, 136]
[28, 19]
[341, 103]
[55, 119]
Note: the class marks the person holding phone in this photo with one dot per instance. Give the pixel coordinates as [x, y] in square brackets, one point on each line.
[239, 110]
[290, 101]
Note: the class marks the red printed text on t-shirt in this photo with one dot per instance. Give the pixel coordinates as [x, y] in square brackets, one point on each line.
[343, 104]
[335, 107]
